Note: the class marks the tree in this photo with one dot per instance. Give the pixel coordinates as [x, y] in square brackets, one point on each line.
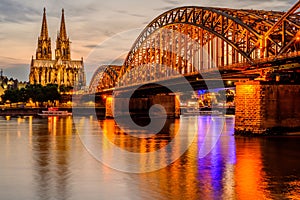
[23, 96]
[65, 89]
[51, 93]
[11, 95]
[37, 93]
[229, 96]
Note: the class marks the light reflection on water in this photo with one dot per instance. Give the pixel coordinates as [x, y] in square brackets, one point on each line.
[43, 158]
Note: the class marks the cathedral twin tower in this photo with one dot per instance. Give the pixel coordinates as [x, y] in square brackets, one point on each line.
[61, 70]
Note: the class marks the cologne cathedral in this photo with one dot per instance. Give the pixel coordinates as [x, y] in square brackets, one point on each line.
[62, 70]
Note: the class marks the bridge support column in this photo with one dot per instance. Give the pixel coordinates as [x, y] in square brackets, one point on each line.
[140, 106]
[177, 111]
[264, 108]
[169, 102]
[109, 107]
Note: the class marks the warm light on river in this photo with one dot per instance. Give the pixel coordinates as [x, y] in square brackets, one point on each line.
[44, 158]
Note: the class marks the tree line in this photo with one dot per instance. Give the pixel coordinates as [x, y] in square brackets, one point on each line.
[36, 93]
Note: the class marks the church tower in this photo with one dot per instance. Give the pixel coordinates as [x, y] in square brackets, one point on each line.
[62, 50]
[43, 51]
[61, 70]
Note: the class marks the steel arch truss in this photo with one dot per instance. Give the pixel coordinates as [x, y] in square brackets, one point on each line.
[213, 22]
[105, 77]
[284, 36]
[229, 36]
[190, 40]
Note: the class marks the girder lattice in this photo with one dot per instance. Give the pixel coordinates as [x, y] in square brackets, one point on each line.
[104, 77]
[196, 39]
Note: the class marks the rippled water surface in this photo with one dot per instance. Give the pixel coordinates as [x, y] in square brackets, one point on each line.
[46, 158]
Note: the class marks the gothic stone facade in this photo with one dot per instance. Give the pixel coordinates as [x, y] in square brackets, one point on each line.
[62, 70]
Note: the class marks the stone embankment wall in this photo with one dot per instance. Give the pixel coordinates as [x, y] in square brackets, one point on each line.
[263, 108]
[20, 111]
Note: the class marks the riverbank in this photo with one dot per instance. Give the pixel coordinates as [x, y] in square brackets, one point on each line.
[84, 111]
[20, 111]
[275, 131]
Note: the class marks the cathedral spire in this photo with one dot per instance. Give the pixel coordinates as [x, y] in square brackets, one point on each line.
[63, 32]
[43, 51]
[44, 30]
[62, 50]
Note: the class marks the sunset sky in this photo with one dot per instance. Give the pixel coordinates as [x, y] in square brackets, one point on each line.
[100, 31]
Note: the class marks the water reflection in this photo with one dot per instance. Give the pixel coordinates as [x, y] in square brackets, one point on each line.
[124, 139]
[121, 149]
[281, 163]
[51, 141]
[193, 175]
[249, 170]
[43, 158]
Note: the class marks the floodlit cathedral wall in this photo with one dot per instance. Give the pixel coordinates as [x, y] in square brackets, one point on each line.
[62, 70]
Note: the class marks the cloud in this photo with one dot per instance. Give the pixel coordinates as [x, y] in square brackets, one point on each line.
[91, 46]
[8, 59]
[117, 61]
[136, 15]
[17, 71]
[172, 2]
[14, 12]
[166, 8]
[276, 5]
[125, 12]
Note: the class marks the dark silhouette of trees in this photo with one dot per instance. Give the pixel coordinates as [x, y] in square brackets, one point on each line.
[64, 89]
[13, 96]
[225, 95]
[37, 93]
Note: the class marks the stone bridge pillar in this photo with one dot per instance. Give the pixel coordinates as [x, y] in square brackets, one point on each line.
[170, 102]
[140, 106]
[263, 108]
[109, 107]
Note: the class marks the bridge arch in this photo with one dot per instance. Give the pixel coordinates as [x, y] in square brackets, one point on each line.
[218, 22]
[104, 77]
[233, 40]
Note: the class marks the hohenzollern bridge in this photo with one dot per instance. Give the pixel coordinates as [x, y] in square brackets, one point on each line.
[252, 48]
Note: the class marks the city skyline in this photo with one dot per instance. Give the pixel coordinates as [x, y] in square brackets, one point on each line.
[90, 26]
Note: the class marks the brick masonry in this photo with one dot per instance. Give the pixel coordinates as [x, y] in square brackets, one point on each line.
[261, 107]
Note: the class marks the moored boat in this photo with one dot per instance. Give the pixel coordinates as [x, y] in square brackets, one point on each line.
[54, 112]
[196, 111]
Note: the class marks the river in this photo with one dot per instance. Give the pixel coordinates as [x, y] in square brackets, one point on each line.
[63, 158]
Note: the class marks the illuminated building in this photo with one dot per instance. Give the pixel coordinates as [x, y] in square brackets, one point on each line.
[62, 70]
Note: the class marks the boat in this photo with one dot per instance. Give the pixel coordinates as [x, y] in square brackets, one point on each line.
[54, 112]
[196, 111]
[210, 112]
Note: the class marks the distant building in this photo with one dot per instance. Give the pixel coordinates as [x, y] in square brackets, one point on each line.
[9, 83]
[62, 70]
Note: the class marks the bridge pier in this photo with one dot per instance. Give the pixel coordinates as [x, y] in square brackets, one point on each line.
[266, 108]
[109, 107]
[139, 106]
